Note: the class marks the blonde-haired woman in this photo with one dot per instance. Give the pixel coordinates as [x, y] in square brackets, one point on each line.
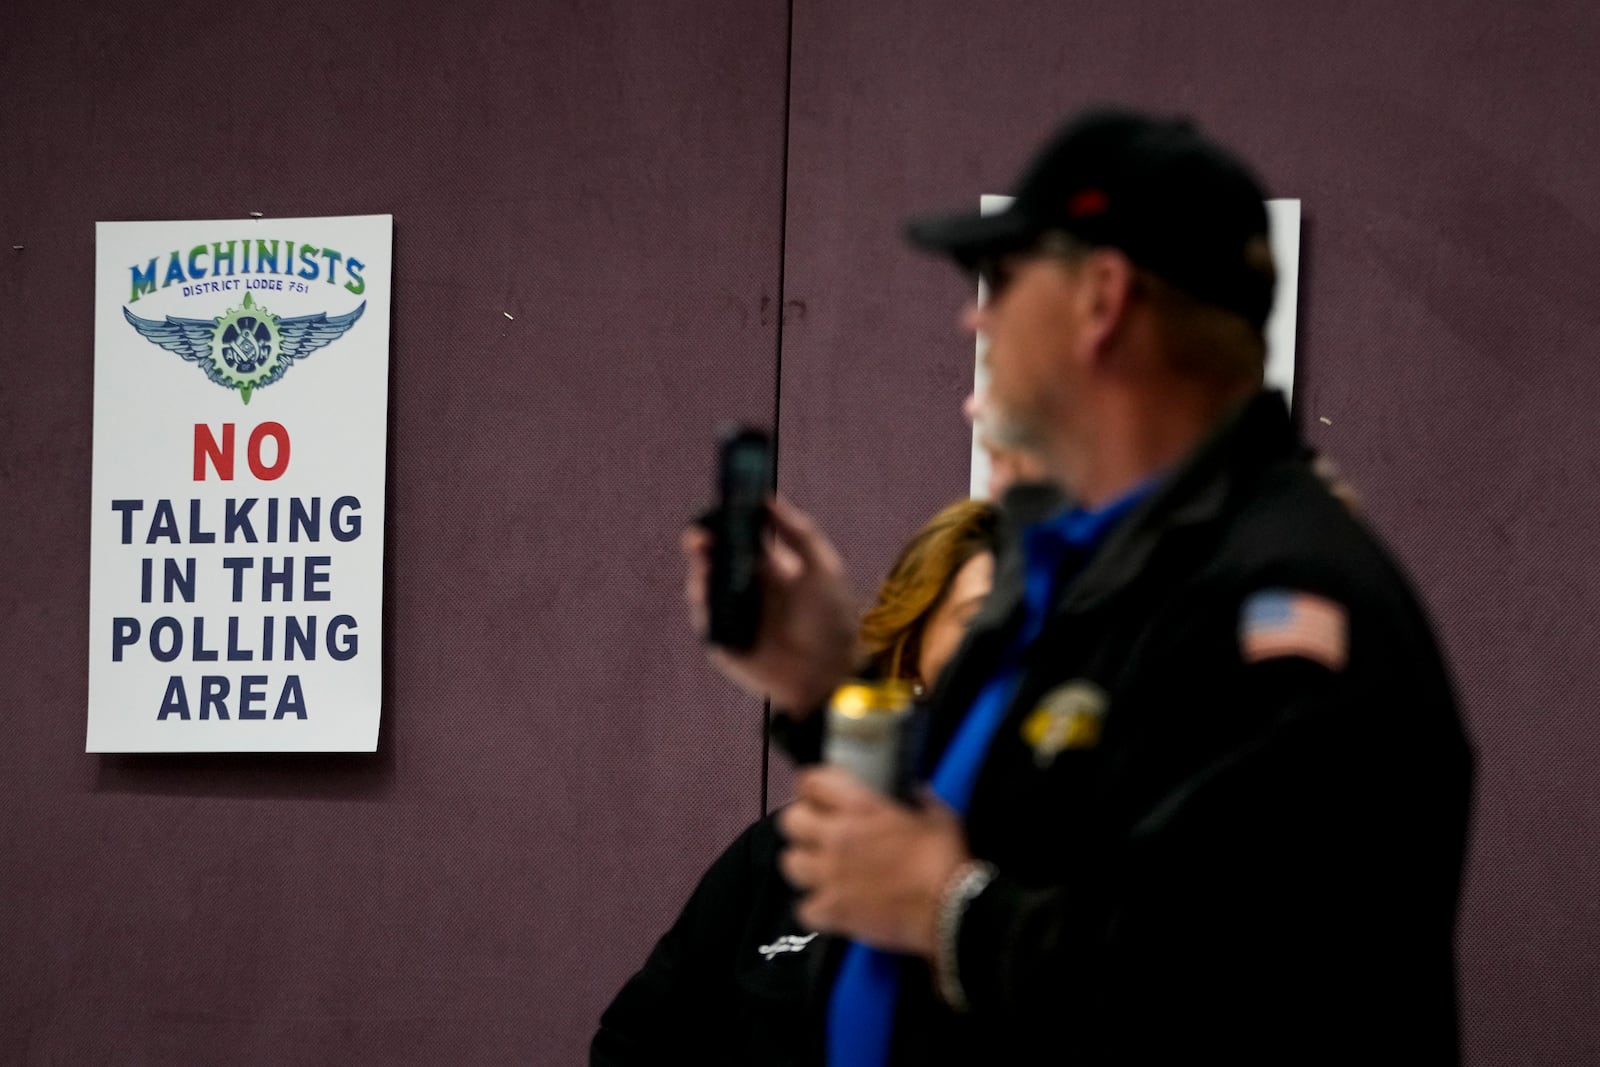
[729, 982]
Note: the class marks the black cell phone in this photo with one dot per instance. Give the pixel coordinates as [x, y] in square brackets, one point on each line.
[738, 529]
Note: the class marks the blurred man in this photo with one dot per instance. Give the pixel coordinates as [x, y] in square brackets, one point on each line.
[1199, 785]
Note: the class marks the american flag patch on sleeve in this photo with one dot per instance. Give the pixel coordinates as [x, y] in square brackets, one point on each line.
[1286, 622]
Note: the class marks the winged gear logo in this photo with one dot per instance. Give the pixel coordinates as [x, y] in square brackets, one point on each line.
[248, 347]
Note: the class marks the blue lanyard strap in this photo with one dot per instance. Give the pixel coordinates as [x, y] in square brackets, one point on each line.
[861, 1008]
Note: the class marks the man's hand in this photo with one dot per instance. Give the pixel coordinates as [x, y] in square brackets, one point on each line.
[807, 642]
[870, 868]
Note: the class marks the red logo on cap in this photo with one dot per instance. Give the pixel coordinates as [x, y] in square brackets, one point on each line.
[1087, 202]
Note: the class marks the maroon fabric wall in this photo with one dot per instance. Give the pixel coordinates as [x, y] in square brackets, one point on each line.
[556, 761]
[646, 188]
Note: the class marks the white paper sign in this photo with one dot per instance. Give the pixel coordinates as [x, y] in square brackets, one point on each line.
[1283, 231]
[236, 540]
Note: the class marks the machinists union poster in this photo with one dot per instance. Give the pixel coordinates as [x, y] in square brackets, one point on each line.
[236, 540]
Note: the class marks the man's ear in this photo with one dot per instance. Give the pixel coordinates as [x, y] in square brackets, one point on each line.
[1108, 277]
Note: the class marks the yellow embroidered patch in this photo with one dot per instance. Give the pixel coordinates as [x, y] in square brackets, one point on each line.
[1068, 716]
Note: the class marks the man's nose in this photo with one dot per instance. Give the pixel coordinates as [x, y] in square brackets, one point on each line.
[973, 317]
[972, 407]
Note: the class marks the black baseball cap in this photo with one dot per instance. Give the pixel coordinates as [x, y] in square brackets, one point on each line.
[1175, 202]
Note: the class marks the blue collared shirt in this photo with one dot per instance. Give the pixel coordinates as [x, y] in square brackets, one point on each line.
[1054, 551]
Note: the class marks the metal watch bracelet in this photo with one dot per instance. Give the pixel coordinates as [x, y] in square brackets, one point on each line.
[969, 879]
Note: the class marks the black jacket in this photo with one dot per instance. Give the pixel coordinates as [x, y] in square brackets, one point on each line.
[732, 982]
[1254, 861]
